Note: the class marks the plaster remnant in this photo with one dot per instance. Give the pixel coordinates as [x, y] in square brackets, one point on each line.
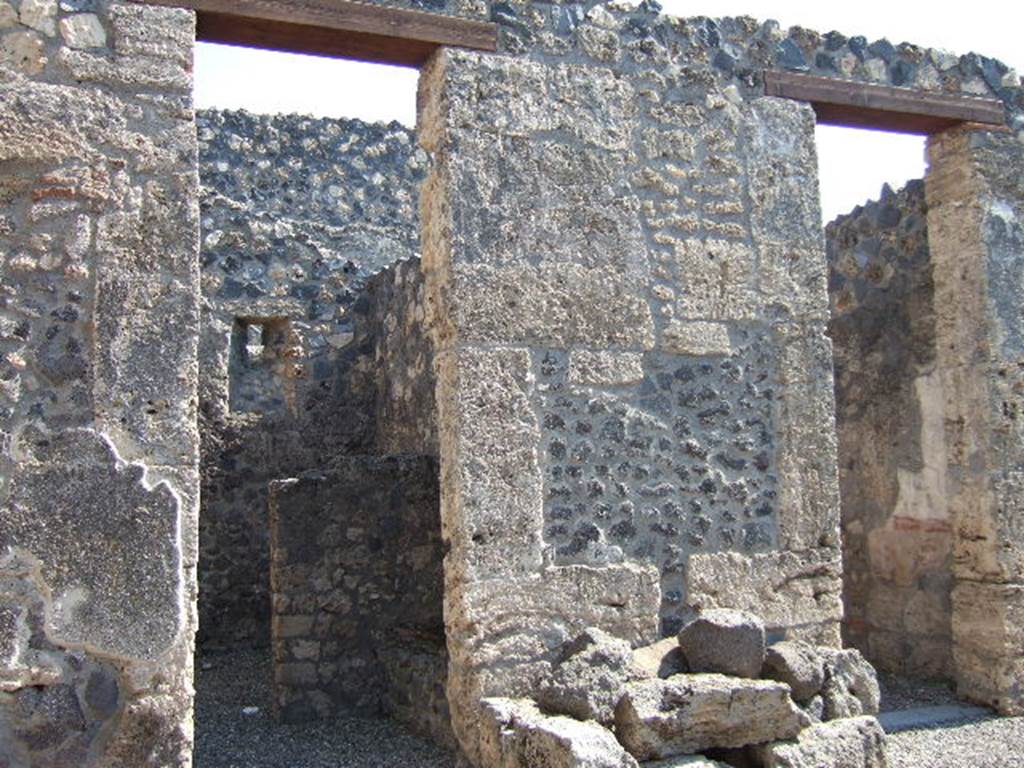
[83, 30]
[109, 549]
[25, 51]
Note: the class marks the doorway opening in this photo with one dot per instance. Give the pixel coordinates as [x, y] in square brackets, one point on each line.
[320, 582]
[896, 530]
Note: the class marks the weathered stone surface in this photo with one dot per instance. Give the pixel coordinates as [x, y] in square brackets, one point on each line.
[25, 51]
[785, 589]
[83, 30]
[607, 368]
[724, 641]
[697, 338]
[661, 659]
[8, 16]
[553, 305]
[690, 713]
[587, 680]
[109, 550]
[517, 735]
[851, 685]
[856, 742]
[40, 15]
[988, 625]
[797, 664]
[378, 516]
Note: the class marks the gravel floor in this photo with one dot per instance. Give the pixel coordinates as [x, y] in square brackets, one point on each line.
[227, 738]
[902, 693]
[991, 743]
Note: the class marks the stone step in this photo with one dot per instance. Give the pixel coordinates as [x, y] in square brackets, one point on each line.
[930, 717]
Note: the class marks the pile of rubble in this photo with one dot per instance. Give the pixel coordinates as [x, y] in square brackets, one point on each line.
[713, 696]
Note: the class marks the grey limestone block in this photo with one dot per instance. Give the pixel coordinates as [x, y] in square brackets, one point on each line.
[589, 678]
[851, 685]
[724, 641]
[797, 664]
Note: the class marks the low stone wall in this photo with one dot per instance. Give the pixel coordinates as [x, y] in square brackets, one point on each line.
[897, 533]
[297, 215]
[356, 572]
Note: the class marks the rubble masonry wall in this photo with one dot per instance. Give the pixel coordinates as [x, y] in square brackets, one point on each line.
[99, 319]
[297, 215]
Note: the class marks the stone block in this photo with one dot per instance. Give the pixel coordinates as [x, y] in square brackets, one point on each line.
[685, 714]
[553, 305]
[491, 488]
[661, 659]
[857, 742]
[587, 680]
[24, 51]
[851, 685]
[797, 664]
[781, 160]
[40, 15]
[725, 641]
[604, 368]
[988, 633]
[696, 338]
[787, 590]
[517, 735]
[83, 30]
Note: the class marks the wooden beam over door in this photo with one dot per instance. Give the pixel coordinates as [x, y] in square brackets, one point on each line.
[338, 28]
[904, 110]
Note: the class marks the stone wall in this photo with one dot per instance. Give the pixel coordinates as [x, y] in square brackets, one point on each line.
[99, 319]
[890, 417]
[297, 215]
[975, 196]
[669, 250]
[357, 590]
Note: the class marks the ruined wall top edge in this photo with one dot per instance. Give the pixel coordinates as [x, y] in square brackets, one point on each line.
[735, 49]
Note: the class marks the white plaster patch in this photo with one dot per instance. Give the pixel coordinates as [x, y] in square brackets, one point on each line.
[83, 30]
[923, 495]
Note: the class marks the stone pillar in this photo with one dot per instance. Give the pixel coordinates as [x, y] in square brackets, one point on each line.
[975, 193]
[99, 319]
[627, 300]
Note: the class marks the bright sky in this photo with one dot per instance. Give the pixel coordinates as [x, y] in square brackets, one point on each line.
[853, 164]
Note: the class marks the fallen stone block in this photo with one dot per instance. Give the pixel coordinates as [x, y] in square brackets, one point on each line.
[516, 734]
[857, 742]
[661, 659]
[686, 714]
[724, 641]
[851, 685]
[797, 664]
[588, 679]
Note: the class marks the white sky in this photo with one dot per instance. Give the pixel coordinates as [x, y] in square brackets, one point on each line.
[853, 164]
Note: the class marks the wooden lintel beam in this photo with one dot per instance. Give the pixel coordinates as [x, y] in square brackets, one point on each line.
[862, 105]
[339, 28]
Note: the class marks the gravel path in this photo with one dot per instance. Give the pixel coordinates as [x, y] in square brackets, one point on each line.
[990, 743]
[228, 738]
